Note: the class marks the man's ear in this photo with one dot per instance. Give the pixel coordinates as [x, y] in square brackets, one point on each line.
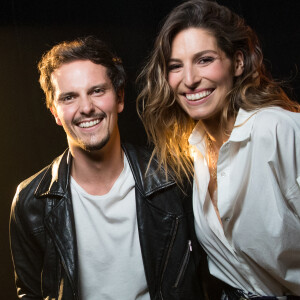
[54, 113]
[120, 100]
[238, 63]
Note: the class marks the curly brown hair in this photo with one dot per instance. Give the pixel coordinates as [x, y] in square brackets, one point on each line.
[87, 48]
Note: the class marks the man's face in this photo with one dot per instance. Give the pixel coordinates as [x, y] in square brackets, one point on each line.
[85, 104]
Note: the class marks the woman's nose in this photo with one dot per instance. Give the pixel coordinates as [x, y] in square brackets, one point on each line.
[192, 77]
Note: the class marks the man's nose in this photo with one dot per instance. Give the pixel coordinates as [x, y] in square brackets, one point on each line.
[86, 105]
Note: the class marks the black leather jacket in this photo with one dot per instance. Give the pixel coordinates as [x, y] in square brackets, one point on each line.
[43, 239]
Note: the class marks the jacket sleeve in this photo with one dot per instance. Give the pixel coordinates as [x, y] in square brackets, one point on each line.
[26, 253]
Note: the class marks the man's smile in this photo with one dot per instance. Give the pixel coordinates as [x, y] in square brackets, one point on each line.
[87, 124]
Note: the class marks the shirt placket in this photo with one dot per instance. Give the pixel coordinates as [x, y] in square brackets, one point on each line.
[224, 204]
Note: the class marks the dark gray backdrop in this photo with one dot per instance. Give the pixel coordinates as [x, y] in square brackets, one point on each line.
[31, 139]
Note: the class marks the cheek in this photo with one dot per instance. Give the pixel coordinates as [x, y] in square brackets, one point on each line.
[60, 117]
[220, 74]
[109, 104]
[173, 80]
[66, 113]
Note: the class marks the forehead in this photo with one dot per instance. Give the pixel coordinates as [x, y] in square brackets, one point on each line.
[193, 40]
[79, 74]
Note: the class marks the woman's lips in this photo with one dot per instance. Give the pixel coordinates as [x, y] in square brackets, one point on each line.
[196, 96]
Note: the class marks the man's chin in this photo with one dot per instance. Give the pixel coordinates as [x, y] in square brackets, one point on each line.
[97, 146]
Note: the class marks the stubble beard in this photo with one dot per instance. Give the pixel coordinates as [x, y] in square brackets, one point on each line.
[89, 144]
[93, 143]
[96, 146]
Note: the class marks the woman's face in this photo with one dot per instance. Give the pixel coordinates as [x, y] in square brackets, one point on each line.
[200, 73]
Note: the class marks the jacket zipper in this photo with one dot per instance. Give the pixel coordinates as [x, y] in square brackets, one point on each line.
[168, 255]
[184, 263]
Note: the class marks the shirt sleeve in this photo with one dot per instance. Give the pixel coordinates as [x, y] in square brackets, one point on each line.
[282, 139]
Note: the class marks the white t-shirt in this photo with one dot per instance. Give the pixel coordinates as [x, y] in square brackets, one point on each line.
[109, 253]
[258, 247]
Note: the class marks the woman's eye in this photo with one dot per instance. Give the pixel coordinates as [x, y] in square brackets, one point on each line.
[174, 67]
[205, 60]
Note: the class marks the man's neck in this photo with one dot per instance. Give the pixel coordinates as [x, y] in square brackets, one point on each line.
[97, 171]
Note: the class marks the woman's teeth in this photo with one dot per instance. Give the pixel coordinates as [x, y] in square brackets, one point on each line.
[198, 96]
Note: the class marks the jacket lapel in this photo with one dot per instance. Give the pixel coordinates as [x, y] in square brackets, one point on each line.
[54, 189]
[61, 226]
[148, 179]
[157, 224]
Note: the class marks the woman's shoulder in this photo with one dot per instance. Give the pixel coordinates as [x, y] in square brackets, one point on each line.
[274, 118]
[275, 128]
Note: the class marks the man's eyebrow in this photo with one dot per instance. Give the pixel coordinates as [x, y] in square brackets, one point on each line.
[98, 86]
[66, 94]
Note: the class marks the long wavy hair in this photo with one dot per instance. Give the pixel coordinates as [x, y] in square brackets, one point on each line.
[167, 125]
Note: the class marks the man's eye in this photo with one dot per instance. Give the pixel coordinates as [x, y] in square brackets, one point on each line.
[67, 98]
[98, 91]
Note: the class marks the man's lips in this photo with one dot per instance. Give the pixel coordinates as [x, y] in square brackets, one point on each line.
[89, 121]
[87, 124]
[195, 96]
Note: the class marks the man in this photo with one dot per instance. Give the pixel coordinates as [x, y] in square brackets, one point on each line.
[96, 224]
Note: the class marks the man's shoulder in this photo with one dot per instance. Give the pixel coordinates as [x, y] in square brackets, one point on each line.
[153, 182]
[27, 189]
[138, 154]
[149, 175]
[32, 182]
[141, 159]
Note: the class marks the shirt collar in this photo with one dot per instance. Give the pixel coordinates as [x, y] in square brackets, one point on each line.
[197, 135]
[243, 125]
[241, 131]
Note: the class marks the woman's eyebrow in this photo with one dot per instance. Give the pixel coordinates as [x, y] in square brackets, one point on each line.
[200, 53]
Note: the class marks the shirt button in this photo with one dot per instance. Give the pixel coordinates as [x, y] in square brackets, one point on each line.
[227, 219]
[223, 174]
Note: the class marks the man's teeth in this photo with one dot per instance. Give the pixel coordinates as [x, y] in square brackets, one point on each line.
[89, 124]
[198, 96]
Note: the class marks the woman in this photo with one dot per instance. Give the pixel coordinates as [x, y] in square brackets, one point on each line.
[207, 95]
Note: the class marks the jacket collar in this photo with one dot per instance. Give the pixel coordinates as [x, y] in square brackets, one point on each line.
[56, 179]
[148, 179]
[55, 184]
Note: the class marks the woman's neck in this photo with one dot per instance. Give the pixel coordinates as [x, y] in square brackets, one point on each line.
[218, 134]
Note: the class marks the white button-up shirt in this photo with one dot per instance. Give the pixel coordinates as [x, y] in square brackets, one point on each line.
[258, 247]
